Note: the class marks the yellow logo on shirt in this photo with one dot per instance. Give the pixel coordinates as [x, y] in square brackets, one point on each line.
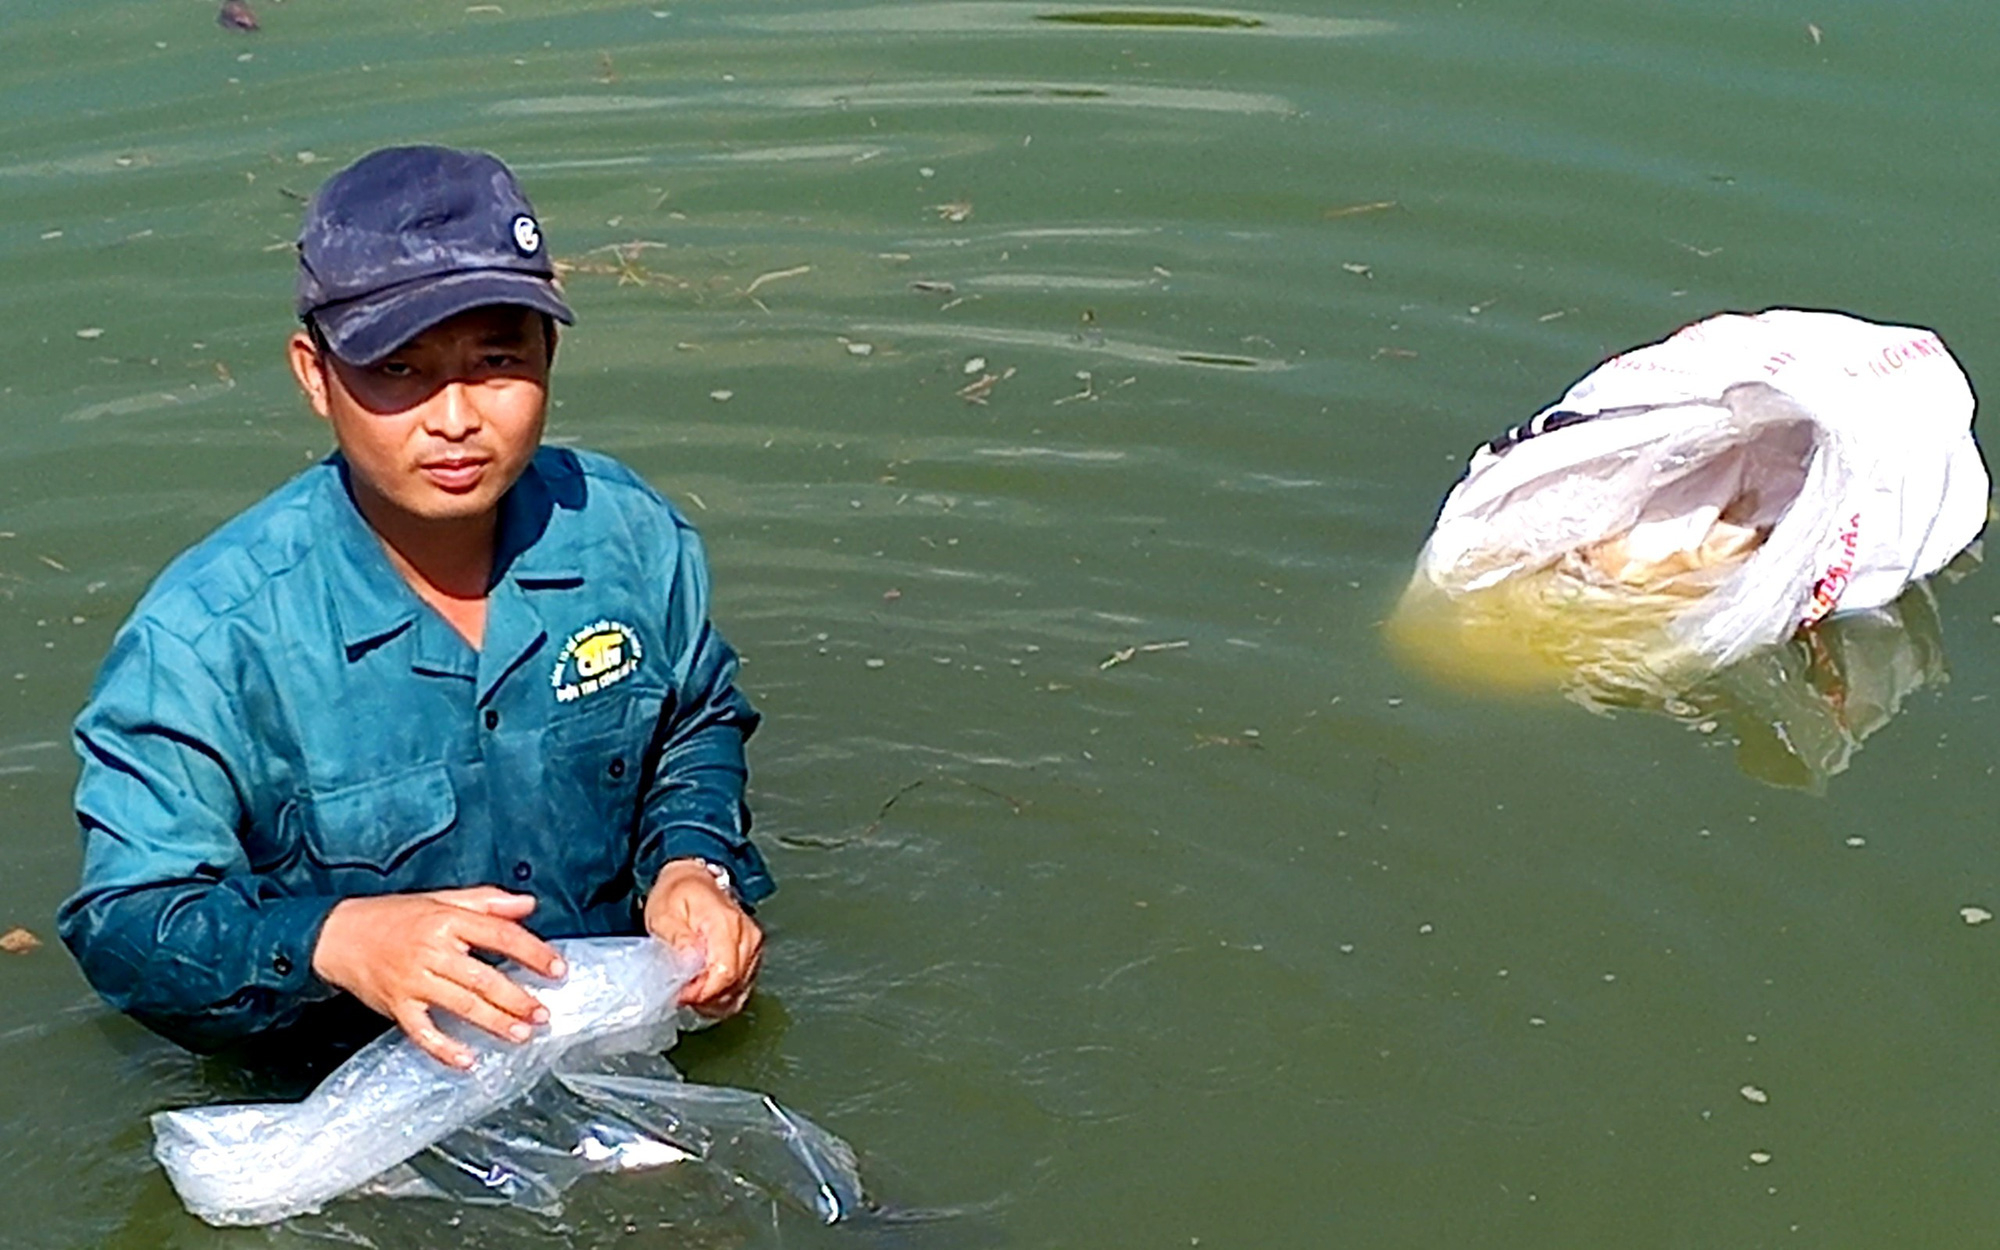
[598, 655]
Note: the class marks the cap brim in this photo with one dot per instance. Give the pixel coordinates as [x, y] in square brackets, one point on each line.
[363, 331]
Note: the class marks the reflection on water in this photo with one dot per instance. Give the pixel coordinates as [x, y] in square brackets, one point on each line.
[1799, 712]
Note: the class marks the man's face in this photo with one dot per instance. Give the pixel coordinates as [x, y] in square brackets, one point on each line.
[440, 428]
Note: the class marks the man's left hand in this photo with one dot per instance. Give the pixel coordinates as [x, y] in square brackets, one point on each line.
[688, 909]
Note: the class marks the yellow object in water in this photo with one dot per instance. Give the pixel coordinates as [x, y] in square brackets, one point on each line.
[1593, 625]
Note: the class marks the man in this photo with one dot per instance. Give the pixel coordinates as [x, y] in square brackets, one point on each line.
[444, 695]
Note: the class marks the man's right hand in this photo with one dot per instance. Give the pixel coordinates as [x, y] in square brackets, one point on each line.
[406, 954]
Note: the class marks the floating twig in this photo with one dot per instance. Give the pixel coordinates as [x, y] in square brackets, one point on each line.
[976, 391]
[1126, 654]
[1017, 806]
[774, 276]
[1355, 210]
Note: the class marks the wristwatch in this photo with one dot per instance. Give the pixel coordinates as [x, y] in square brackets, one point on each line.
[723, 881]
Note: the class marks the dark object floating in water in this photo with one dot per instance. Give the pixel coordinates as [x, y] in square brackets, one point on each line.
[1054, 93]
[236, 15]
[1153, 17]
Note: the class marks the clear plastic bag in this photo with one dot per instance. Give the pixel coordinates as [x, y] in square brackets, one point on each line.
[588, 1093]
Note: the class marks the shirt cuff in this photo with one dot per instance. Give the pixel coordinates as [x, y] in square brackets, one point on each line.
[745, 864]
[281, 944]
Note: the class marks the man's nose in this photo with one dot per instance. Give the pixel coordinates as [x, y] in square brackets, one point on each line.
[455, 413]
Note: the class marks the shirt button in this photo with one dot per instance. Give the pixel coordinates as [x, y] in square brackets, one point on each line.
[492, 719]
[282, 965]
[522, 871]
[617, 768]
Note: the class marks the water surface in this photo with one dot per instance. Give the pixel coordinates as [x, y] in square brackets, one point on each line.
[1251, 938]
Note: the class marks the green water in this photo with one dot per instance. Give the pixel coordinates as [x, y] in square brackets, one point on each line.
[1255, 941]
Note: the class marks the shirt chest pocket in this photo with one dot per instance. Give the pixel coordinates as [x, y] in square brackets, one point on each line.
[364, 837]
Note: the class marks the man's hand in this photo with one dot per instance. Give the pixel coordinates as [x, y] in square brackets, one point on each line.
[406, 954]
[687, 909]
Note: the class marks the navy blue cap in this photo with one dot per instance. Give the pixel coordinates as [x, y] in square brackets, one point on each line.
[406, 237]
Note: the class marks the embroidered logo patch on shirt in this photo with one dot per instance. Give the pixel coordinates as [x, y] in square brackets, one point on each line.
[600, 654]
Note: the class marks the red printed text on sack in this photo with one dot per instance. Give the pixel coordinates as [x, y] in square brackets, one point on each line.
[1827, 591]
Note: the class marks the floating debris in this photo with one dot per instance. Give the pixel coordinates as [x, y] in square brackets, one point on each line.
[929, 287]
[1975, 915]
[955, 211]
[1753, 1094]
[974, 365]
[18, 941]
[91, 332]
[1355, 210]
[976, 391]
[1813, 30]
[1760, 1157]
[1125, 654]
[236, 15]
[774, 276]
[721, 397]
[1359, 270]
[1159, 17]
[874, 663]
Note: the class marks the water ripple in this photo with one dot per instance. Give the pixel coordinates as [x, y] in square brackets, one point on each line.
[958, 91]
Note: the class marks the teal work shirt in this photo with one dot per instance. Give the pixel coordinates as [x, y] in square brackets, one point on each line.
[282, 724]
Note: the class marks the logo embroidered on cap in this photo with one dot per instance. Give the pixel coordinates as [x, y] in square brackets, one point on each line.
[600, 654]
[527, 235]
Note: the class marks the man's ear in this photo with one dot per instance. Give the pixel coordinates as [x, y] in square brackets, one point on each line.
[309, 371]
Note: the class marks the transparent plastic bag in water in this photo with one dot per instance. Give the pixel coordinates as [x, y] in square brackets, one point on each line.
[588, 1093]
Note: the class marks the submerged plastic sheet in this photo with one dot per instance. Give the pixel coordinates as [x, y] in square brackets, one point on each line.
[588, 1093]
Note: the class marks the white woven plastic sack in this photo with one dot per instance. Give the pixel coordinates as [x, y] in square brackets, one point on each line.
[259, 1163]
[1757, 472]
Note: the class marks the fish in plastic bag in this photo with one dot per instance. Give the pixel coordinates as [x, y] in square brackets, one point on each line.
[1696, 499]
[586, 1093]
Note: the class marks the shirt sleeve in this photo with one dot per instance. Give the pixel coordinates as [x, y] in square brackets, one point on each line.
[170, 923]
[694, 804]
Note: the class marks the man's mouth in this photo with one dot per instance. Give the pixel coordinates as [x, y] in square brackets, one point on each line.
[455, 474]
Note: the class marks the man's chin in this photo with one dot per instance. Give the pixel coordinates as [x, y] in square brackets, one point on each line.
[446, 507]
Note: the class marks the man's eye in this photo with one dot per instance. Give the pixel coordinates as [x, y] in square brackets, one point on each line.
[502, 360]
[396, 369]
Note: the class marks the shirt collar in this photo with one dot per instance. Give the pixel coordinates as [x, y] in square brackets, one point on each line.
[520, 552]
[372, 603]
